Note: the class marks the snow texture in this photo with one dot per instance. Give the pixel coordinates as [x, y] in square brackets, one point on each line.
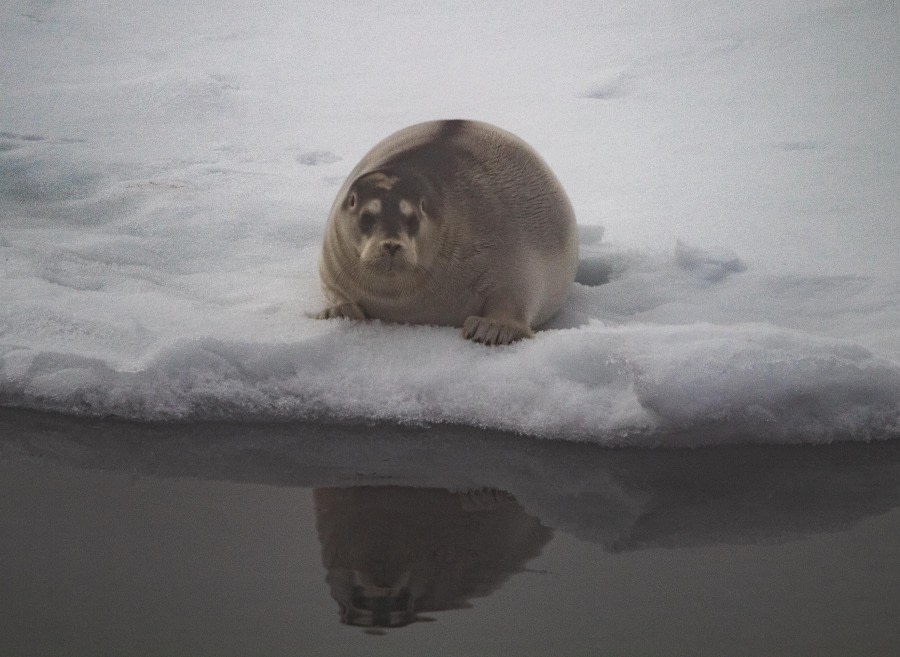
[166, 171]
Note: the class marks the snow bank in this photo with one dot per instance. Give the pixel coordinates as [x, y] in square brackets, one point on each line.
[163, 191]
[658, 350]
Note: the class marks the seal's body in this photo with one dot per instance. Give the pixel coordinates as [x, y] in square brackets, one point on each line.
[455, 223]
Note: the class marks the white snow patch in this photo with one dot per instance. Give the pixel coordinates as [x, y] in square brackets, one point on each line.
[162, 200]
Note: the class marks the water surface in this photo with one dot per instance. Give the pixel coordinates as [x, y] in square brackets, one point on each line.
[127, 539]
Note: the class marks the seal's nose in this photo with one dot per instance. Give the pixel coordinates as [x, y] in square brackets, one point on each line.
[390, 247]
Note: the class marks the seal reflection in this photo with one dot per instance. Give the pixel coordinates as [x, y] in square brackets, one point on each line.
[392, 553]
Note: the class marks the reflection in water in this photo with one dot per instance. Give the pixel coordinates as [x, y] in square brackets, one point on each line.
[623, 499]
[126, 539]
[393, 552]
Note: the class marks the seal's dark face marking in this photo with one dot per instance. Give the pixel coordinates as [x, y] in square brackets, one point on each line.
[367, 223]
[385, 213]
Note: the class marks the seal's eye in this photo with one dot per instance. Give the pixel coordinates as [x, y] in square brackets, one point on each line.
[422, 206]
[412, 225]
[366, 222]
[351, 201]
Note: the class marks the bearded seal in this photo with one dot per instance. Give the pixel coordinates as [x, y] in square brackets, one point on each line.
[452, 223]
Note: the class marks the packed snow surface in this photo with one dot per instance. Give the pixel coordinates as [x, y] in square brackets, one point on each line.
[166, 169]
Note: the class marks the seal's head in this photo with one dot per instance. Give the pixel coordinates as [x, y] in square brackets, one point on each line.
[386, 216]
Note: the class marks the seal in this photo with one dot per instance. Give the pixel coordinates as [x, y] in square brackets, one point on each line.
[453, 223]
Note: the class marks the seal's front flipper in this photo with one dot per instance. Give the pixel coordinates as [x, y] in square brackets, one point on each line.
[494, 331]
[345, 310]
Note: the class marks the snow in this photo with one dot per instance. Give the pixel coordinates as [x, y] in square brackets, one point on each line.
[166, 170]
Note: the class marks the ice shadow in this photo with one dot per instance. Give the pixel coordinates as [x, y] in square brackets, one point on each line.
[624, 498]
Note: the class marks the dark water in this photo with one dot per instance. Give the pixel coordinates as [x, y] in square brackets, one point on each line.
[122, 539]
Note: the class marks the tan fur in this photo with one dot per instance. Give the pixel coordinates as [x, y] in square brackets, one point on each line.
[454, 223]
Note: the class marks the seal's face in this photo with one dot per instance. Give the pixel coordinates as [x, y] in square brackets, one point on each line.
[385, 217]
